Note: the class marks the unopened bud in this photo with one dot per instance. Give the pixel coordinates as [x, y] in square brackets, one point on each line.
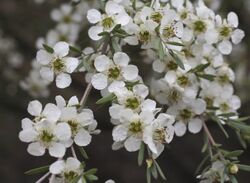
[234, 169]
[149, 163]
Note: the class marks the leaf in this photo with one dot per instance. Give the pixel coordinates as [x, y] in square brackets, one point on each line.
[202, 163]
[141, 154]
[159, 170]
[91, 171]
[177, 59]
[154, 171]
[234, 153]
[74, 49]
[242, 141]
[231, 114]
[37, 170]
[83, 153]
[134, 4]
[48, 48]
[106, 99]
[175, 43]
[91, 178]
[233, 179]
[199, 68]
[162, 51]
[103, 33]
[148, 175]
[239, 125]
[217, 120]
[209, 77]
[244, 167]
[114, 44]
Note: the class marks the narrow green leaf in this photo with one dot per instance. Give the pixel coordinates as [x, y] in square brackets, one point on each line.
[160, 171]
[199, 68]
[234, 153]
[84, 180]
[154, 171]
[91, 171]
[177, 59]
[233, 179]
[175, 43]
[48, 48]
[103, 34]
[37, 170]
[115, 45]
[242, 141]
[244, 167]
[83, 153]
[209, 77]
[141, 154]
[91, 178]
[217, 120]
[239, 125]
[231, 114]
[74, 49]
[162, 51]
[134, 4]
[202, 163]
[106, 99]
[148, 175]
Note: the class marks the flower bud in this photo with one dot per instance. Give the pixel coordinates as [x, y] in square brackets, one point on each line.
[234, 169]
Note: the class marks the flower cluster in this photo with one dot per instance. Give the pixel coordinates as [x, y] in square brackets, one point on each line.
[57, 127]
[186, 44]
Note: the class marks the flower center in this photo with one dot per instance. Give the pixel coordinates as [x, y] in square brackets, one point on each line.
[67, 19]
[171, 65]
[186, 114]
[74, 126]
[223, 79]
[183, 80]
[108, 22]
[46, 136]
[132, 103]
[58, 65]
[156, 16]
[173, 95]
[135, 127]
[168, 32]
[225, 31]
[69, 176]
[209, 101]
[224, 107]
[200, 26]
[144, 36]
[188, 53]
[184, 15]
[159, 135]
[114, 73]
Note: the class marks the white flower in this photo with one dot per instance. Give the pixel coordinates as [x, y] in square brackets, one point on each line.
[160, 131]
[57, 63]
[112, 70]
[67, 170]
[131, 129]
[110, 181]
[45, 135]
[186, 115]
[114, 14]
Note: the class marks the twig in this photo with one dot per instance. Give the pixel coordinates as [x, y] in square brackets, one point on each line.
[73, 152]
[210, 137]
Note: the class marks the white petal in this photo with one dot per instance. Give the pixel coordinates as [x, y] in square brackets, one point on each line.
[115, 110]
[71, 64]
[211, 36]
[119, 133]
[225, 47]
[159, 66]
[43, 57]
[63, 80]
[94, 16]
[132, 144]
[170, 77]
[27, 123]
[57, 167]
[63, 131]
[73, 101]
[61, 49]
[35, 108]
[130, 72]
[233, 19]
[51, 112]
[199, 106]
[180, 129]
[72, 164]
[122, 18]
[99, 81]
[195, 125]
[112, 8]
[121, 59]
[36, 149]
[94, 31]
[28, 135]
[148, 105]
[47, 74]
[60, 102]
[102, 63]
[237, 36]
[170, 130]
[57, 150]
[83, 138]
[141, 90]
